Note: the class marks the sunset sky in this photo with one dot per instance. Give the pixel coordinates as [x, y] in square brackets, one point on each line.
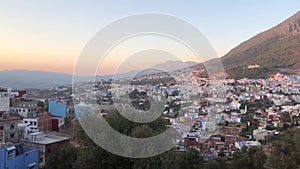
[50, 34]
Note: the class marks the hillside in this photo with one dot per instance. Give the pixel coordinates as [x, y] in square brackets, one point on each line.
[274, 50]
[24, 79]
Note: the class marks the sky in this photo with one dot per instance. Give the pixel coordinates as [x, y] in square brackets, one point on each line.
[49, 35]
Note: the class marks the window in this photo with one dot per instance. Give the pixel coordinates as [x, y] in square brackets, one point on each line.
[10, 154]
[1, 127]
[26, 122]
[12, 126]
[23, 110]
[49, 150]
[12, 135]
[34, 123]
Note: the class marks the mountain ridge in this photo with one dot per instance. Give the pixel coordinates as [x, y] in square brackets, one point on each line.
[24, 79]
[275, 50]
[294, 20]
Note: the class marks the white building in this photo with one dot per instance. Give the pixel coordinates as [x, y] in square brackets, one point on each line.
[32, 125]
[241, 144]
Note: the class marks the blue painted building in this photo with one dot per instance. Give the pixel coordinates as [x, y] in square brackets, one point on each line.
[57, 108]
[16, 156]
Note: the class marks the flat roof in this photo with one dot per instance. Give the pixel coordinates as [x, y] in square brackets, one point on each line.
[48, 139]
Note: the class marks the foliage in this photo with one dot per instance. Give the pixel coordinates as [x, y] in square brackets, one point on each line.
[286, 151]
[90, 156]
[253, 158]
[248, 131]
[218, 163]
[271, 54]
[63, 159]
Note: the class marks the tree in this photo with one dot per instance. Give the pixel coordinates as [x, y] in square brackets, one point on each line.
[286, 151]
[249, 159]
[90, 156]
[190, 159]
[218, 163]
[63, 159]
[40, 104]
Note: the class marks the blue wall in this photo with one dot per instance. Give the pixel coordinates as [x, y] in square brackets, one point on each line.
[22, 161]
[57, 108]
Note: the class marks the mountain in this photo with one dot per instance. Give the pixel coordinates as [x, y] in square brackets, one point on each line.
[21, 79]
[274, 50]
[168, 66]
[171, 65]
[24, 79]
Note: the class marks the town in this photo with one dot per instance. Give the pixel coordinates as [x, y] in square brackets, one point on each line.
[149, 84]
[215, 120]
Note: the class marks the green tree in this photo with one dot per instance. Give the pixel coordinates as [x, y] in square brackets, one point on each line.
[64, 158]
[252, 158]
[286, 151]
[90, 156]
[218, 163]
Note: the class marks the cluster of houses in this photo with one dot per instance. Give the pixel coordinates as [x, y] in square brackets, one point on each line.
[261, 108]
[219, 120]
[28, 132]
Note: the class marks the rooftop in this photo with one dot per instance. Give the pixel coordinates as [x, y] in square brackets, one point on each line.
[50, 140]
[41, 138]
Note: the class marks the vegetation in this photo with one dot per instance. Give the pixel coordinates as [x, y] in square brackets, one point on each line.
[243, 72]
[286, 151]
[63, 158]
[90, 156]
[249, 159]
[248, 131]
[272, 51]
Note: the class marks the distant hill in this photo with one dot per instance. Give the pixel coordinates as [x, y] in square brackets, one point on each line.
[21, 79]
[168, 66]
[275, 50]
[171, 65]
[25, 79]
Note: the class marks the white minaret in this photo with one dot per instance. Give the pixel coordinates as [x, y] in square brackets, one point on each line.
[246, 109]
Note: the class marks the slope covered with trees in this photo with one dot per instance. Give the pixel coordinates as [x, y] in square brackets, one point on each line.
[88, 155]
